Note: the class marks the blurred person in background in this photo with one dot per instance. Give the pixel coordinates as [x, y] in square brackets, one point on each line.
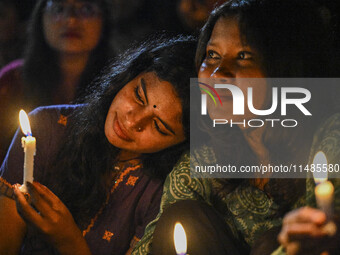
[194, 13]
[68, 44]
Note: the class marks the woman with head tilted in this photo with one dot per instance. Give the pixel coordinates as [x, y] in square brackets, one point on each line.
[253, 39]
[68, 44]
[105, 160]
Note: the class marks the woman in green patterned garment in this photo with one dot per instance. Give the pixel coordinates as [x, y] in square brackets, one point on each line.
[254, 39]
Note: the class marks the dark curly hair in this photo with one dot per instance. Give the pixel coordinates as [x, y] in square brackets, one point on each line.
[87, 157]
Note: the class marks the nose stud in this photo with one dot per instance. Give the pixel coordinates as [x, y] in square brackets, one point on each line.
[139, 129]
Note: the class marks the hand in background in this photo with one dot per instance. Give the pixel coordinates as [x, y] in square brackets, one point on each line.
[305, 231]
[53, 220]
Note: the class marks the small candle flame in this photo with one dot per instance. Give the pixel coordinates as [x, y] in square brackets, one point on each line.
[25, 123]
[320, 176]
[180, 239]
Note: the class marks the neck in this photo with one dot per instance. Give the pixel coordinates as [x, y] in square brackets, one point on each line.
[72, 67]
[254, 139]
[125, 155]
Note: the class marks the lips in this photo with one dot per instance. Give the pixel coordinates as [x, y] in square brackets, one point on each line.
[119, 130]
[71, 34]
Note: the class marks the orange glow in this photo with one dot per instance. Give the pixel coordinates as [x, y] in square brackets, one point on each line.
[325, 189]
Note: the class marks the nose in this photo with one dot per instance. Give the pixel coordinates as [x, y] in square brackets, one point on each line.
[71, 13]
[223, 70]
[138, 120]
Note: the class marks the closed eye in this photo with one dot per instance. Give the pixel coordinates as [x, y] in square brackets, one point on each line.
[159, 129]
[138, 96]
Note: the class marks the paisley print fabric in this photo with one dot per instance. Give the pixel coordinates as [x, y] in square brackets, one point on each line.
[249, 211]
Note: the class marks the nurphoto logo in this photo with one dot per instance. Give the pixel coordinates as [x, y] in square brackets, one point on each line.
[301, 97]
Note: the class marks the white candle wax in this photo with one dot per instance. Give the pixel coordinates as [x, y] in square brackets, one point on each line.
[324, 193]
[28, 143]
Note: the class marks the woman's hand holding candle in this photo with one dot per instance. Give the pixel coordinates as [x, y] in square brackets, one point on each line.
[308, 230]
[53, 220]
[304, 231]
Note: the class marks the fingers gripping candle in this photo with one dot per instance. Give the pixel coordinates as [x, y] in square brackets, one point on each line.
[29, 144]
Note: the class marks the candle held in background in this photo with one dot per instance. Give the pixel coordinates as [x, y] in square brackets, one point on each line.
[324, 190]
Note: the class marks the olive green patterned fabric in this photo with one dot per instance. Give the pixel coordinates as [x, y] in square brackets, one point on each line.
[248, 210]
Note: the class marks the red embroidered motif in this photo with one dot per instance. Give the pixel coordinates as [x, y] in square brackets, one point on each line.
[132, 180]
[62, 120]
[107, 235]
[117, 182]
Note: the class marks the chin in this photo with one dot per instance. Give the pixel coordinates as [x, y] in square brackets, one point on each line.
[220, 113]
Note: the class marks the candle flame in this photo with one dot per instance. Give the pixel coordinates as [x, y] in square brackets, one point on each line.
[320, 176]
[25, 123]
[324, 189]
[180, 239]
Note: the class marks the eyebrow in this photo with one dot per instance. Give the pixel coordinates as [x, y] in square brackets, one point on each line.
[146, 98]
[166, 126]
[144, 89]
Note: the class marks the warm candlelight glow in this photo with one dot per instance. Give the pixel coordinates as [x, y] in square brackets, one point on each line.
[24, 123]
[320, 160]
[324, 189]
[180, 239]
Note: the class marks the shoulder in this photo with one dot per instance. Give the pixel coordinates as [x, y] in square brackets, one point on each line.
[49, 122]
[12, 68]
[327, 139]
[53, 112]
[180, 184]
[11, 81]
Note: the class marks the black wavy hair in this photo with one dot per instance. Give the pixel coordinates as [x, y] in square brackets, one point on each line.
[291, 36]
[41, 71]
[293, 41]
[86, 158]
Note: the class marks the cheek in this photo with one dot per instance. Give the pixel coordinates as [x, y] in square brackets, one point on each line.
[94, 32]
[49, 30]
[219, 112]
[205, 71]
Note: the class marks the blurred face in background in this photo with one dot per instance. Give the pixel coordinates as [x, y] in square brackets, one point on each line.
[72, 26]
[194, 13]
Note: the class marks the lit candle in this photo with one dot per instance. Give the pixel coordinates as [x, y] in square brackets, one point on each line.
[180, 239]
[324, 190]
[28, 143]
